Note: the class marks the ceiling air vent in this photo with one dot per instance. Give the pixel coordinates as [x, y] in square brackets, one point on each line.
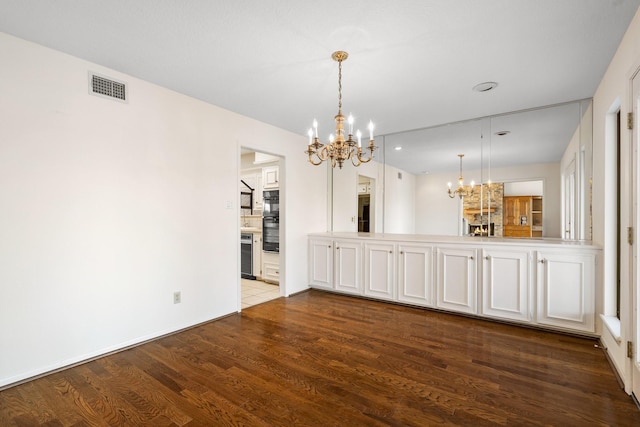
[109, 88]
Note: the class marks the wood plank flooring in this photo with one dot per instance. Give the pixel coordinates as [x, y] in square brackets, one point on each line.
[319, 359]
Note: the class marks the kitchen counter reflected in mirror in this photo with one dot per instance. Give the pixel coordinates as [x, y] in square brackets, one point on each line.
[550, 146]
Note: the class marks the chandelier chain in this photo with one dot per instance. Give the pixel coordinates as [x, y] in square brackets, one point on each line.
[340, 87]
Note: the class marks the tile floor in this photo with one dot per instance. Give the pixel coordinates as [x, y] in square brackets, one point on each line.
[255, 292]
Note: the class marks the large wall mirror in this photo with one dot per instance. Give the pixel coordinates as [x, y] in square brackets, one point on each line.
[532, 172]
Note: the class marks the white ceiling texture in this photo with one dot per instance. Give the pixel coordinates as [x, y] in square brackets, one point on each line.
[412, 63]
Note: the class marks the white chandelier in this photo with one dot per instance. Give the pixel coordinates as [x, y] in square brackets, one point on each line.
[461, 191]
[338, 149]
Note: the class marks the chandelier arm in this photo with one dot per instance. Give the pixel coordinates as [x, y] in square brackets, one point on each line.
[356, 159]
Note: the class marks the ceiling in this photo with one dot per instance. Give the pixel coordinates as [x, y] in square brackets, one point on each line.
[412, 63]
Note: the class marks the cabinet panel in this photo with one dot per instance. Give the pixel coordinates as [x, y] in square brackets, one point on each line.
[379, 270]
[506, 284]
[457, 279]
[270, 267]
[566, 290]
[415, 274]
[257, 254]
[321, 263]
[348, 264]
[270, 178]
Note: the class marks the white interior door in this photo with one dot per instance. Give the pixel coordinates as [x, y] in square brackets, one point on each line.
[570, 200]
[634, 290]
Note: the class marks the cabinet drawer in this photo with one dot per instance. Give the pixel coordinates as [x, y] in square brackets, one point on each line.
[517, 230]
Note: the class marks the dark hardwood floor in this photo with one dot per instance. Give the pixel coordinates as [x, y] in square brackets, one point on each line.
[319, 359]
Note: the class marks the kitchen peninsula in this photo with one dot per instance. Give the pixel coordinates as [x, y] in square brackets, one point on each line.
[544, 282]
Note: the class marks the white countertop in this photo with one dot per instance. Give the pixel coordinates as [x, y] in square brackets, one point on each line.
[250, 230]
[470, 240]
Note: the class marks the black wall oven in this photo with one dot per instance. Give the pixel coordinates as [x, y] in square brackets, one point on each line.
[271, 221]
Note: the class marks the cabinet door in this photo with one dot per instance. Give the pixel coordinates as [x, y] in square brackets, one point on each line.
[348, 264]
[510, 211]
[270, 267]
[270, 177]
[505, 284]
[257, 254]
[415, 274]
[566, 290]
[257, 195]
[321, 263]
[457, 279]
[379, 270]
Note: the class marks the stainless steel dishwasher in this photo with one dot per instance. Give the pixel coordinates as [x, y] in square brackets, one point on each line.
[246, 256]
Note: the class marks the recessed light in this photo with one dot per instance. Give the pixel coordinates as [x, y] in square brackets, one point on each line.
[485, 87]
[503, 132]
[398, 148]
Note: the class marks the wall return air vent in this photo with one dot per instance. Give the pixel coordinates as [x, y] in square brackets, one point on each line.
[106, 87]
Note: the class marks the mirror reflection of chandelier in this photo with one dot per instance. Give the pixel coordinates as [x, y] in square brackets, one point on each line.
[461, 191]
[338, 149]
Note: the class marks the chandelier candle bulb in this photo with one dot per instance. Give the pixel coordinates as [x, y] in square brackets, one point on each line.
[315, 126]
[310, 136]
[370, 130]
[359, 136]
[350, 124]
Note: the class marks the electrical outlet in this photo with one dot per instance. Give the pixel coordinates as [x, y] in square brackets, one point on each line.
[176, 297]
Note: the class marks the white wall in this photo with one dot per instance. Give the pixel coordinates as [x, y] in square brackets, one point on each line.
[399, 201]
[107, 208]
[437, 213]
[612, 92]
[524, 188]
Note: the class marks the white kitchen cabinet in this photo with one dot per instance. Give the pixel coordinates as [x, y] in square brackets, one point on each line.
[565, 283]
[270, 177]
[347, 266]
[364, 188]
[415, 274]
[457, 279]
[321, 263]
[257, 254]
[271, 267]
[547, 283]
[257, 199]
[379, 270]
[506, 283]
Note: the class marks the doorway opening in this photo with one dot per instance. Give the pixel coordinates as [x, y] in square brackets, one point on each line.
[366, 203]
[260, 230]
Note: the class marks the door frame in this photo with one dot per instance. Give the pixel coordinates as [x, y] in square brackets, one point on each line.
[633, 320]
